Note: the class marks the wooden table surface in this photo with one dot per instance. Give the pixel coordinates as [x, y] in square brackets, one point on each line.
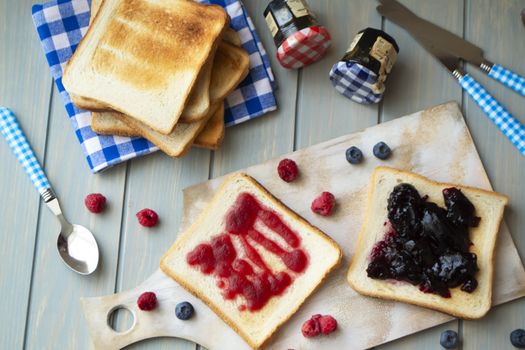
[39, 300]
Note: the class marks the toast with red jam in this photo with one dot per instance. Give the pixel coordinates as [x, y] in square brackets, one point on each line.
[251, 259]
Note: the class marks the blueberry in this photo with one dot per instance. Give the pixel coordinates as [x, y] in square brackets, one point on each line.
[381, 150]
[449, 339]
[517, 338]
[184, 311]
[354, 155]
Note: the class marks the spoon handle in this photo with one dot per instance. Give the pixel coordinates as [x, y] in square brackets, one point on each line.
[17, 141]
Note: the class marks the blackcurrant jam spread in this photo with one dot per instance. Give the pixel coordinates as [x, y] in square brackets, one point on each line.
[247, 274]
[427, 245]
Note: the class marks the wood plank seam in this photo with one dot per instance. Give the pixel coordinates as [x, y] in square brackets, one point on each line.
[296, 108]
[39, 212]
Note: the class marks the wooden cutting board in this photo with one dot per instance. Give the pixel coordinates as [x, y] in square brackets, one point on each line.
[435, 143]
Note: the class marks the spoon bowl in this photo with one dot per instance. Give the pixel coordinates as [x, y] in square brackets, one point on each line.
[78, 249]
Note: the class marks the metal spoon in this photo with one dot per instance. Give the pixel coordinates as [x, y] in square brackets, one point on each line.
[76, 245]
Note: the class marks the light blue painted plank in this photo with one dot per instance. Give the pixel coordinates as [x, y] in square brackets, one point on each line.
[323, 113]
[25, 87]
[55, 319]
[500, 33]
[418, 81]
[155, 182]
[270, 135]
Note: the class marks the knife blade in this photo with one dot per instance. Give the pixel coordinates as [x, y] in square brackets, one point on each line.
[431, 36]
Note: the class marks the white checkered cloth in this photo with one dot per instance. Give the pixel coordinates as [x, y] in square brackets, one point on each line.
[17, 141]
[61, 24]
[510, 79]
[509, 125]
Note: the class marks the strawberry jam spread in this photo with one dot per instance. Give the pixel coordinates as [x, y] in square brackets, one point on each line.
[249, 276]
[427, 245]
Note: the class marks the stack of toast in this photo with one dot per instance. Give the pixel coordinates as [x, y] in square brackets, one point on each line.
[157, 69]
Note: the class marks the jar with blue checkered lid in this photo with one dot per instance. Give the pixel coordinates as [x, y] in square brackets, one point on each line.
[299, 38]
[361, 74]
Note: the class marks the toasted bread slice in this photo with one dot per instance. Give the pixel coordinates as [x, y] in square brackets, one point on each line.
[256, 327]
[232, 37]
[489, 206]
[210, 137]
[179, 141]
[198, 104]
[143, 58]
[213, 133]
[233, 65]
[106, 123]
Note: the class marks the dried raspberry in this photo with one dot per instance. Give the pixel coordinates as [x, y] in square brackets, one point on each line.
[147, 301]
[147, 217]
[328, 324]
[311, 328]
[324, 204]
[95, 202]
[287, 170]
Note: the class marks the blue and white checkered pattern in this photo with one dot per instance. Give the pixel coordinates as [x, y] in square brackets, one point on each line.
[508, 78]
[61, 24]
[509, 125]
[355, 81]
[17, 141]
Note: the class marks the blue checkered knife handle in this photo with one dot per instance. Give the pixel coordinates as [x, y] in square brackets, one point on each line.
[509, 125]
[17, 141]
[508, 78]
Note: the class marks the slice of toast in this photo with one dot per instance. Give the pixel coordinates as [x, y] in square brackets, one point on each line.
[210, 137]
[143, 58]
[198, 104]
[176, 144]
[213, 133]
[488, 205]
[233, 64]
[232, 37]
[106, 123]
[256, 327]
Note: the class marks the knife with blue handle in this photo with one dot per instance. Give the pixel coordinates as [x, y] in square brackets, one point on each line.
[450, 49]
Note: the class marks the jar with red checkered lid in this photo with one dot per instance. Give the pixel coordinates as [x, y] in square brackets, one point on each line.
[299, 38]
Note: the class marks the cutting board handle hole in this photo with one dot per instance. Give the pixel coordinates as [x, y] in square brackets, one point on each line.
[121, 319]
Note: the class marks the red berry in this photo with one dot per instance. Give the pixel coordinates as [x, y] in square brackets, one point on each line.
[311, 328]
[287, 170]
[95, 202]
[316, 317]
[324, 204]
[328, 324]
[147, 217]
[147, 301]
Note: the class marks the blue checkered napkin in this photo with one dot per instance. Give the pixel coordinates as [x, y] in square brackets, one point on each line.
[355, 82]
[61, 24]
[508, 125]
